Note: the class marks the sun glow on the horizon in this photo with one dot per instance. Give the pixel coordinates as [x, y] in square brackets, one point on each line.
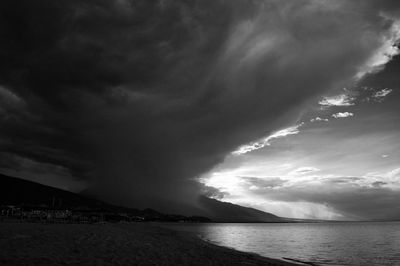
[306, 173]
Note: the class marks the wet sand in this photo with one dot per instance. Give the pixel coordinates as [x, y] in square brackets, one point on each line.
[113, 244]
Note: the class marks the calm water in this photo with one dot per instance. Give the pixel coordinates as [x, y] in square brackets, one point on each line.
[320, 243]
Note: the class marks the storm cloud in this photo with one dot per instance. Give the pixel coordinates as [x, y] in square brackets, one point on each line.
[136, 99]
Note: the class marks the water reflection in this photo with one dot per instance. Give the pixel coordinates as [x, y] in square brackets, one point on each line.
[321, 243]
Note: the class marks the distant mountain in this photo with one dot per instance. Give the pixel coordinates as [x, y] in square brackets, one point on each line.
[227, 212]
[15, 191]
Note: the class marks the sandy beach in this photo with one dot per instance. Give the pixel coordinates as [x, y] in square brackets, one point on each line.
[113, 244]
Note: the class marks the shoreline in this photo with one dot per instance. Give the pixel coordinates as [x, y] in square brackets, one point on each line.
[252, 255]
[115, 244]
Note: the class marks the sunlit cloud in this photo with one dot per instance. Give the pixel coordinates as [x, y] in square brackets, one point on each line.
[391, 178]
[380, 95]
[388, 49]
[338, 100]
[375, 94]
[267, 140]
[319, 119]
[394, 175]
[342, 115]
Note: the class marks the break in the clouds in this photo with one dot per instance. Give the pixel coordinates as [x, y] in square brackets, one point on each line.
[347, 169]
[342, 115]
[135, 99]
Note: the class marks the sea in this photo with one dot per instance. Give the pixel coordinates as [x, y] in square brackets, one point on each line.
[328, 243]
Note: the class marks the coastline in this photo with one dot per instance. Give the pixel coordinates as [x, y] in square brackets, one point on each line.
[115, 244]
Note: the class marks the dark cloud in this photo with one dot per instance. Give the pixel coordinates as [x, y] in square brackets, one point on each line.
[342, 180]
[378, 184]
[215, 193]
[138, 98]
[261, 183]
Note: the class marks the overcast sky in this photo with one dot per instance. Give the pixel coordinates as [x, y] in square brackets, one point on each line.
[287, 106]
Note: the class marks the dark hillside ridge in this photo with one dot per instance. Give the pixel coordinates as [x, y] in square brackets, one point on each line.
[227, 212]
[16, 191]
[31, 195]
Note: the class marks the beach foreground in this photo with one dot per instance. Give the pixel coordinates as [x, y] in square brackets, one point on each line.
[113, 244]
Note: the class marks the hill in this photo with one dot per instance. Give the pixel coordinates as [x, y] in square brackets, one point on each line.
[15, 191]
[227, 212]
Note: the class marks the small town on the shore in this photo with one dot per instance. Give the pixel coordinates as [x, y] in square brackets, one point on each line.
[57, 213]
